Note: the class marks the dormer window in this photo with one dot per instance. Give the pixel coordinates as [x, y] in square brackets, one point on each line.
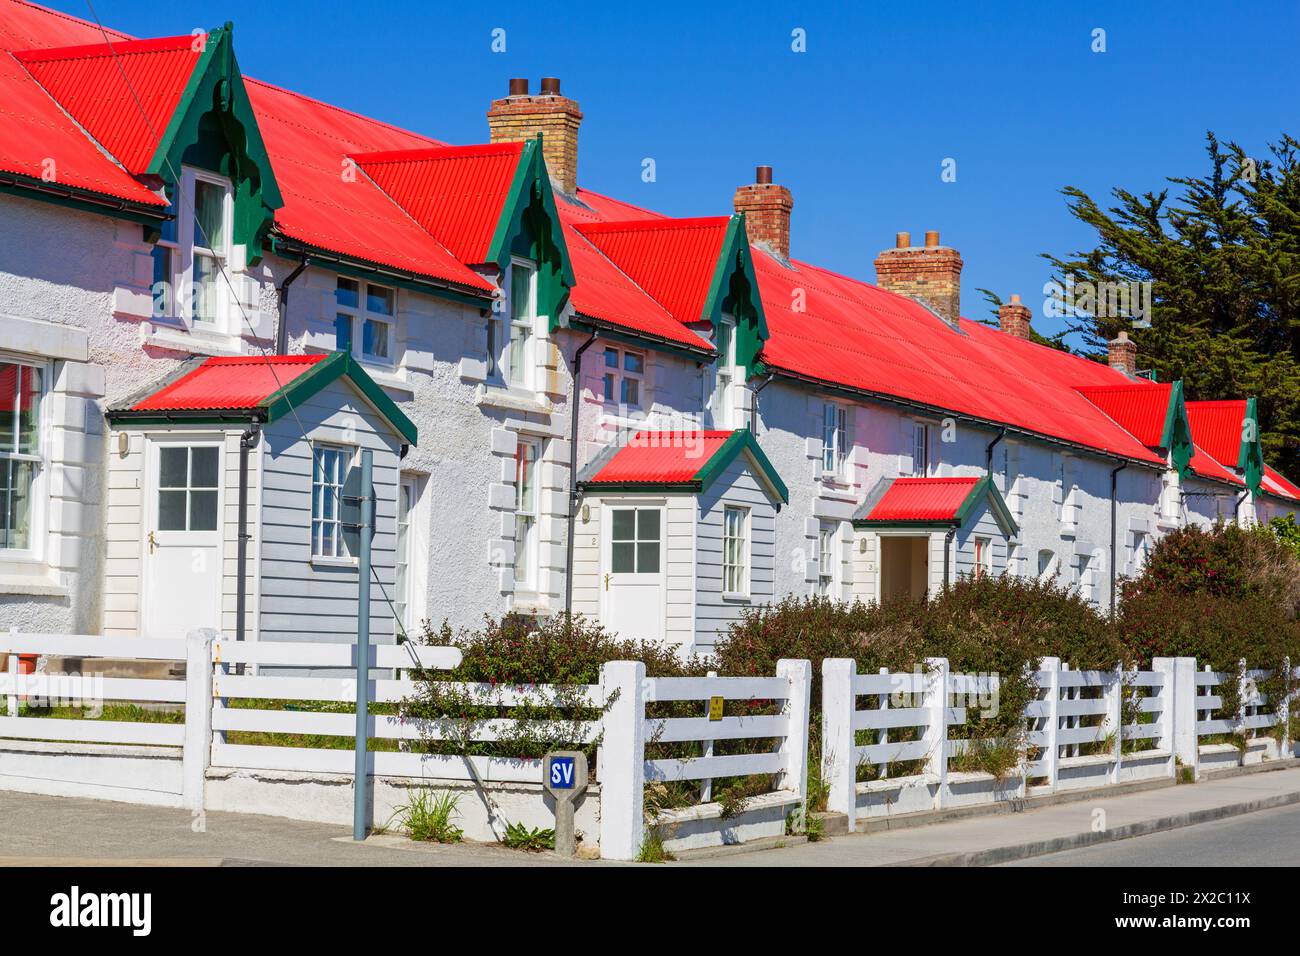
[722, 403]
[512, 328]
[192, 251]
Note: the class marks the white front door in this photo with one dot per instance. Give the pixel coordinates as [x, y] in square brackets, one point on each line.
[181, 579]
[632, 579]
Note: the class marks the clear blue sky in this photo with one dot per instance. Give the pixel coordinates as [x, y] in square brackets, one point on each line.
[857, 126]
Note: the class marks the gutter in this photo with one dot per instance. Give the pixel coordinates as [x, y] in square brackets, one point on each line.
[1114, 529]
[282, 305]
[43, 190]
[619, 333]
[573, 473]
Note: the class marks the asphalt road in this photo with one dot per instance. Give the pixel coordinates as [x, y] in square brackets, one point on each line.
[1266, 838]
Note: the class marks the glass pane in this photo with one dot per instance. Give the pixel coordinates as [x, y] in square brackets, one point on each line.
[609, 388]
[631, 392]
[162, 273]
[9, 374]
[521, 285]
[647, 524]
[633, 362]
[203, 511]
[346, 293]
[622, 555]
[15, 504]
[724, 344]
[171, 467]
[167, 229]
[374, 339]
[379, 299]
[611, 358]
[523, 545]
[29, 400]
[647, 558]
[171, 511]
[209, 216]
[518, 353]
[205, 290]
[494, 346]
[624, 525]
[342, 333]
[203, 467]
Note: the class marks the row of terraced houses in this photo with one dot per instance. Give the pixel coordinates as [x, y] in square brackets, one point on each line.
[214, 293]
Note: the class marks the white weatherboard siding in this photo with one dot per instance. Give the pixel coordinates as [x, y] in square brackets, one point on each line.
[981, 524]
[714, 613]
[302, 598]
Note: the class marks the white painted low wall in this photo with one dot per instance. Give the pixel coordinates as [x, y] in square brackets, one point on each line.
[703, 826]
[130, 774]
[327, 798]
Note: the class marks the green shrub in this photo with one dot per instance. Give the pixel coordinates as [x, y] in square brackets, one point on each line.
[427, 816]
[532, 839]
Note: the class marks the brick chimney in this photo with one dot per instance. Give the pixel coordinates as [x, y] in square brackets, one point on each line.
[1123, 354]
[1013, 318]
[521, 117]
[932, 274]
[767, 212]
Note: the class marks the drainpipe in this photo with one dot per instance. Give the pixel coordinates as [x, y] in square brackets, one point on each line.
[247, 442]
[766, 382]
[947, 555]
[573, 472]
[988, 451]
[1114, 530]
[282, 298]
[1236, 507]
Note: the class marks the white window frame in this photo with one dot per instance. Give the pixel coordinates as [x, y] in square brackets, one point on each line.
[920, 449]
[359, 315]
[336, 487]
[723, 400]
[983, 563]
[835, 441]
[505, 373]
[183, 262]
[411, 556]
[736, 552]
[827, 560]
[527, 532]
[38, 494]
[613, 378]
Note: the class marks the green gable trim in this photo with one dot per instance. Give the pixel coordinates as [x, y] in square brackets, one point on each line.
[983, 489]
[1176, 436]
[1250, 458]
[336, 365]
[530, 228]
[214, 128]
[734, 290]
[282, 402]
[742, 439]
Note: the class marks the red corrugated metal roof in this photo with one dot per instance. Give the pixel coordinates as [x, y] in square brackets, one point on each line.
[308, 142]
[33, 129]
[229, 383]
[1140, 408]
[1204, 464]
[653, 457]
[922, 499]
[104, 87]
[1279, 485]
[671, 260]
[456, 193]
[1217, 427]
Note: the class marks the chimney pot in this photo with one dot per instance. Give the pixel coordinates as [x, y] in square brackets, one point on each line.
[1014, 318]
[766, 206]
[931, 274]
[1122, 354]
[1015, 298]
[519, 117]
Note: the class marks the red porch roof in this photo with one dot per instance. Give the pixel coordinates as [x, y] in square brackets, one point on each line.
[225, 384]
[922, 499]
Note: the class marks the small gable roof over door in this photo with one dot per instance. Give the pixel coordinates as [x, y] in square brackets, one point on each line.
[678, 461]
[253, 388]
[932, 502]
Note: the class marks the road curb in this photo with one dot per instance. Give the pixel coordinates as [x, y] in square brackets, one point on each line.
[1023, 851]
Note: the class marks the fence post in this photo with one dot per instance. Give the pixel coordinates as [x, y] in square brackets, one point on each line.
[1114, 719]
[11, 705]
[622, 766]
[1051, 666]
[794, 745]
[936, 732]
[1180, 709]
[197, 752]
[839, 767]
[706, 785]
[1243, 709]
[1284, 710]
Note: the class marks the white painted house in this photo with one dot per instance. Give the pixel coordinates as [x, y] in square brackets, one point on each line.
[521, 325]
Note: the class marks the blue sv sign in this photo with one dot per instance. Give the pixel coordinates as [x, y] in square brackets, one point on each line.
[562, 774]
